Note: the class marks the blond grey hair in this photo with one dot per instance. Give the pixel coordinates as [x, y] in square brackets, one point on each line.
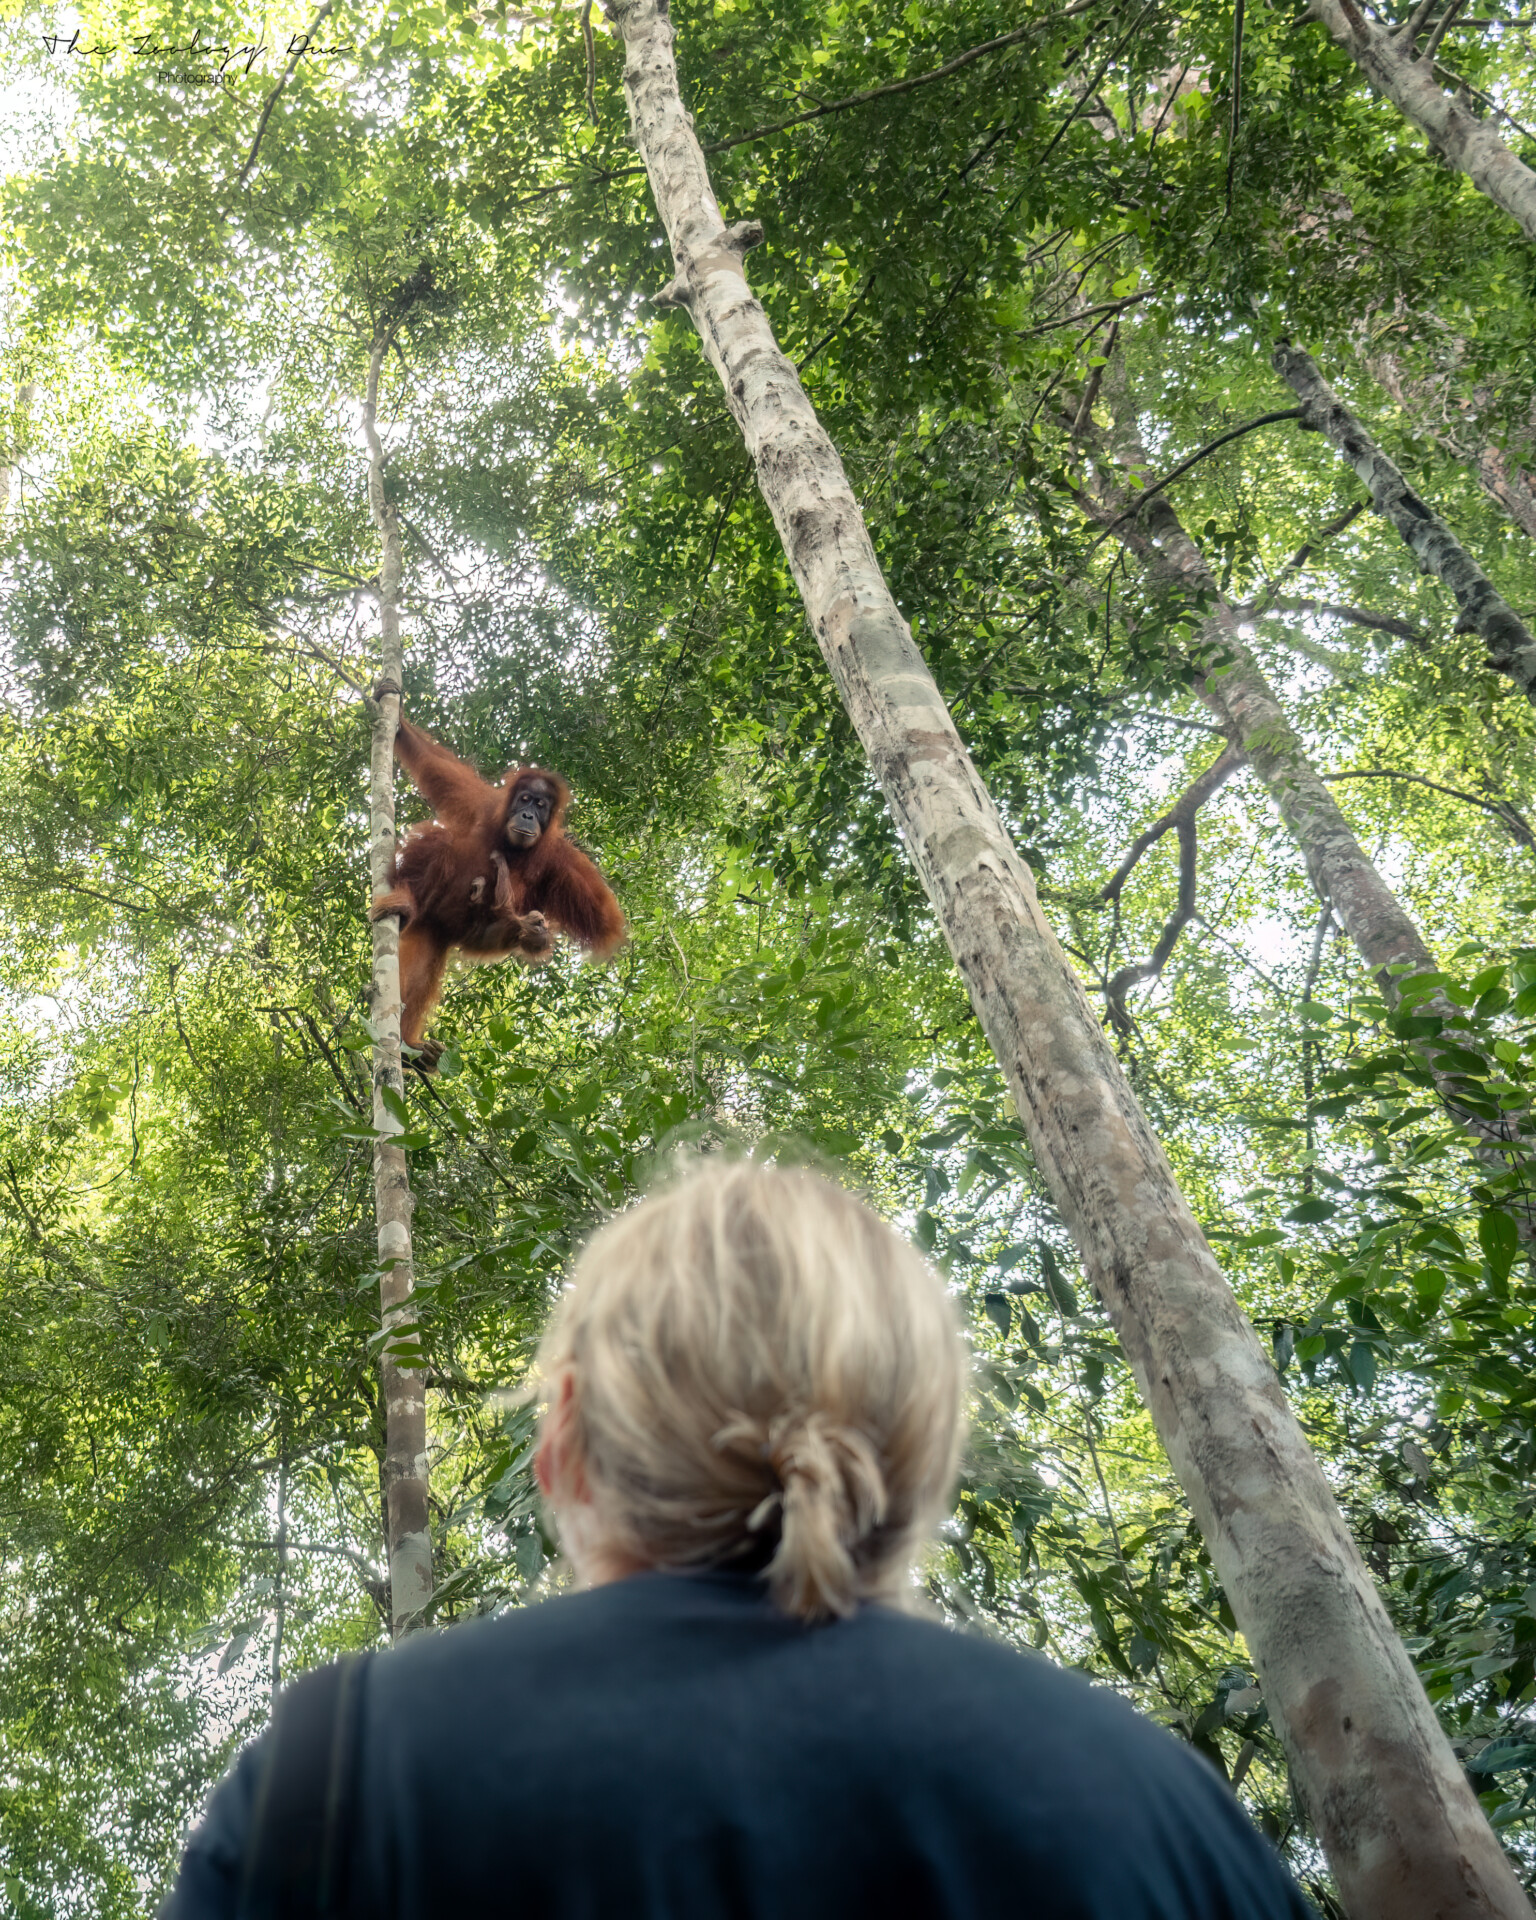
[764, 1375]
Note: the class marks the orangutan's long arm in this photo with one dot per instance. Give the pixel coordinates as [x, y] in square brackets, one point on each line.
[457, 793]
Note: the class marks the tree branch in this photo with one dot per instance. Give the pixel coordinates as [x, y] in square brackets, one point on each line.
[1088, 92]
[1440, 26]
[1180, 819]
[1087, 313]
[1467, 143]
[283, 79]
[1264, 420]
[1139, 972]
[885, 91]
[1181, 813]
[1505, 812]
[1352, 616]
[1510, 643]
[1413, 26]
[1237, 96]
[591, 51]
[892, 87]
[1305, 551]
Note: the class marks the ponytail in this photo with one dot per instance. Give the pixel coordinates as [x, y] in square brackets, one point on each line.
[826, 1499]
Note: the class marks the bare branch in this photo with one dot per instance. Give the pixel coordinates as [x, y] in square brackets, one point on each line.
[1264, 420]
[1139, 972]
[1087, 313]
[892, 87]
[837, 325]
[603, 176]
[370, 1573]
[1352, 616]
[1086, 96]
[1181, 813]
[1305, 551]
[1505, 812]
[1413, 26]
[591, 49]
[1440, 26]
[1180, 819]
[1510, 643]
[1176, 720]
[1237, 97]
[1496, 107]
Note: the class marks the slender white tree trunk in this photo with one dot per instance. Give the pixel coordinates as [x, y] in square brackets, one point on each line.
[1511, 646]
[1390, 64]
[402, 1388]
[1404, 1833]
[24, 397]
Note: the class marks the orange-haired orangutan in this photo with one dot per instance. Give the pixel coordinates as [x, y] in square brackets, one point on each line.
[492, 875]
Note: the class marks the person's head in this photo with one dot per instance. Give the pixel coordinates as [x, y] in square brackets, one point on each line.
[751, 1370]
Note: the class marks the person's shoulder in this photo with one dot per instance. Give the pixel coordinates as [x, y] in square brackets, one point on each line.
[980, 1663]
[1069, 1768]
[541, 1623]
[548, 1633]
[1017, 1713]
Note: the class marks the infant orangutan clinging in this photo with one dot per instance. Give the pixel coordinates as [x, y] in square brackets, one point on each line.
[492, 875]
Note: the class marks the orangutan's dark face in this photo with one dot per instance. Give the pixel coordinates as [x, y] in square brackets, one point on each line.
[529, 812]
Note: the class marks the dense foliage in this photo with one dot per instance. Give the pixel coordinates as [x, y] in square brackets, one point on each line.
[984, 275]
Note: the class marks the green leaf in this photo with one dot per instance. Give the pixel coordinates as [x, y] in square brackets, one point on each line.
[1500, 1241]
[1458, 1059]
[1057, 1283]
[1501, 1756]
[234, 1647]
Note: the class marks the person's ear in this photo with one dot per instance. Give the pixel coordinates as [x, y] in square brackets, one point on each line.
[557, 1462]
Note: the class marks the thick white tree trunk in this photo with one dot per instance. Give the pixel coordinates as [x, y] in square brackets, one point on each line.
[1404, 1833]
[1510, 643]
[403, 1389]
[1390, 65]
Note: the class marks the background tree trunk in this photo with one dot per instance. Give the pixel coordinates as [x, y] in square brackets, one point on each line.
[1469, 144]
[1511, 646]
[1513, 491]
[1404, 1833]
[1345, 877]
[403, 1387]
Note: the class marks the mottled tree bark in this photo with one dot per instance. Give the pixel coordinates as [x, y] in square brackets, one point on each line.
[1404, 1834]
[1513, 491]
[403, 1388]
[1389, 63]
[1511, 646]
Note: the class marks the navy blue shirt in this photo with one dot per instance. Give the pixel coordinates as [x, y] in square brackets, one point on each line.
[672, 1747]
